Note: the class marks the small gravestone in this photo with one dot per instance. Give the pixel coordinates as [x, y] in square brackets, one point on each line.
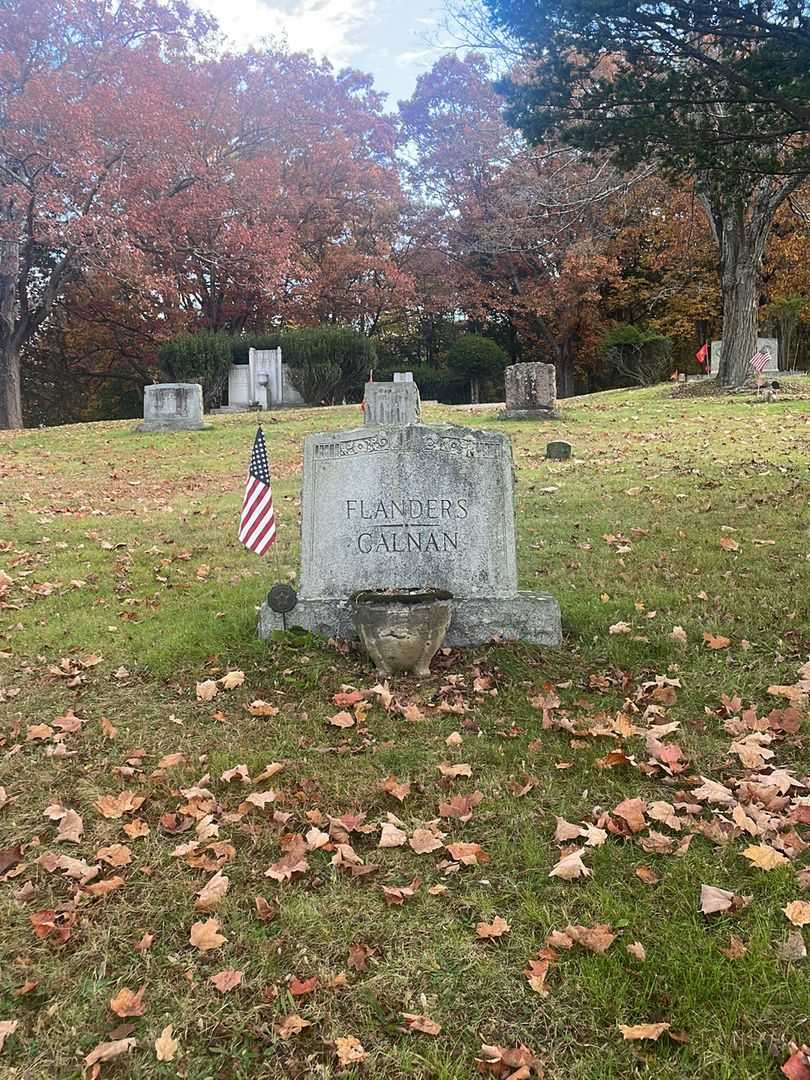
[394, 403]
[531, 392]
[172, 407]
[413, 507]
[559, 450]
[403, 376]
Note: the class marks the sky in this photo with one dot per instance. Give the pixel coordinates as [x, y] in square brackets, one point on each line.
[395, 40]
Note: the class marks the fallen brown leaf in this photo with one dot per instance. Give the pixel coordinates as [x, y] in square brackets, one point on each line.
[291, 1025]
[128, 1003]
[212, 892]
[643, 1031]
[205, 935]
[106, 1051]
[496, 929]
[227, 980]
[349, 1050]
[416, 1022]
[166, 1047]
[798, 912]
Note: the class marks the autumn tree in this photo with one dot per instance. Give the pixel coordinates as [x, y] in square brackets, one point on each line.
[713, 91]
[85, 114]
[150, 185]
[524, 228]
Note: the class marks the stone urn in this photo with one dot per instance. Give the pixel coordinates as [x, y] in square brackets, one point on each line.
[402, 629]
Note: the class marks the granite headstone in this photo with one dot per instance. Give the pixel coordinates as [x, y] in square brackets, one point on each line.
[414, 506]
[172, 407]
[558, 450]
[531, 392]
[391, 403]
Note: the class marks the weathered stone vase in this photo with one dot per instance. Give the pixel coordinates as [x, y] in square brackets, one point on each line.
[402, 629]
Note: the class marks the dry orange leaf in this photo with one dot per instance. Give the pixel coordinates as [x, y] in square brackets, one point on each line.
[452, 771]
[391, 836]
[262, 708]
[103, 888]
[238, 772]
[207, 690]
[342, 719]
[166, 1047]
[7, 1027]
[424, 841]
[536, 973]
[205, 935]
[227, 980]
[115, 806]
[798, 912]
[136, 829]
[468, 854]
[632, 812]
[71, 828]
[212, 892]
[396, 895]
[290, 1025]
[597, 938]
[735, 949]
[637, 950]
[716, 641]
[496, 929]
[765, 857]
[349, 1050]
[570, 867]
[395, 788]
[128, 1003]
[171, 761]
[108, 729]
[232, 679]
[106, 1051]
[38, 732]
[643, 1031]
[416, 1022]
[115, 855]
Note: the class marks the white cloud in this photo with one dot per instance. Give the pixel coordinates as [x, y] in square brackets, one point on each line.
[325, 27]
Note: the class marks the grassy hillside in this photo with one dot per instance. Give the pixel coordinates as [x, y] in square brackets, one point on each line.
[681, 524]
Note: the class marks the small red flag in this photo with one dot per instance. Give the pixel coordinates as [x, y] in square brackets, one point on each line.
[702, 355]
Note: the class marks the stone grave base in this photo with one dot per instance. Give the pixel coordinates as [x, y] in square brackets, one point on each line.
[529, 414]
[532, 617]
[146, 426]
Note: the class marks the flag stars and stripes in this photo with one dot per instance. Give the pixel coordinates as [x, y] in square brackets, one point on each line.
[759, 361]
[257, 523]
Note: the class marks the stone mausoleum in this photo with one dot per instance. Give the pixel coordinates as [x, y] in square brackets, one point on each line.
[264, 380]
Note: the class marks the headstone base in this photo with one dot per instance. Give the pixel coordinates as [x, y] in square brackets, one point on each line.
[146, 426]
[529, 414]
[532, 617]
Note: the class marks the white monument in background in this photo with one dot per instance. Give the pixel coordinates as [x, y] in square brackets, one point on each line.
[263, 380]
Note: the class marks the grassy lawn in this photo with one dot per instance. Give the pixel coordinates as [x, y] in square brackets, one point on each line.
[123, 588]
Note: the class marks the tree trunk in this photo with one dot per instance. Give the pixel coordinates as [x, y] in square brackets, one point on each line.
[740, 274]
[10, 395]
[564, 364]
[474, 392]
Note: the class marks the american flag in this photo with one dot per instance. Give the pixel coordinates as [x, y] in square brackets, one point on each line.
[759, 361]
[257, 525]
